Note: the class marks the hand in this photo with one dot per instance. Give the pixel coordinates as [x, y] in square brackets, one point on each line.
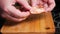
[48, 4]
[37, 8]
[13, 14]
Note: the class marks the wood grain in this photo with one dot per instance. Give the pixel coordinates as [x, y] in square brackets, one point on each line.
[35, 24]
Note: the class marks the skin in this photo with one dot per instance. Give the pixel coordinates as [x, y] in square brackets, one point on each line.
[16, 15]
[48, 4]
[13, 14]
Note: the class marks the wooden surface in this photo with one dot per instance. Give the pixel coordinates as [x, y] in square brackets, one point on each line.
[42, 23]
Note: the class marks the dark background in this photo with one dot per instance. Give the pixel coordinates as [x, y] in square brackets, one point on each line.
[55, 14]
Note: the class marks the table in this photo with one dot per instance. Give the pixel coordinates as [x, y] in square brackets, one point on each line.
[35, 24]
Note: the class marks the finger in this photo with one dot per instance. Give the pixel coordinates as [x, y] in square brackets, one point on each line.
[34, 2]
[17, 13]
[13, 11]
[24, 14]
[24, 3]
[41, 2]
[8, 17]
[45, 7]
[51, 5]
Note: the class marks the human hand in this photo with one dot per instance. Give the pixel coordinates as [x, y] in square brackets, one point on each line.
[13, 14]
[37, 8]
[48, 4]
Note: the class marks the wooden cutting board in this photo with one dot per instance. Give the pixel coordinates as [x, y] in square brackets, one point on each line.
[35, 24]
